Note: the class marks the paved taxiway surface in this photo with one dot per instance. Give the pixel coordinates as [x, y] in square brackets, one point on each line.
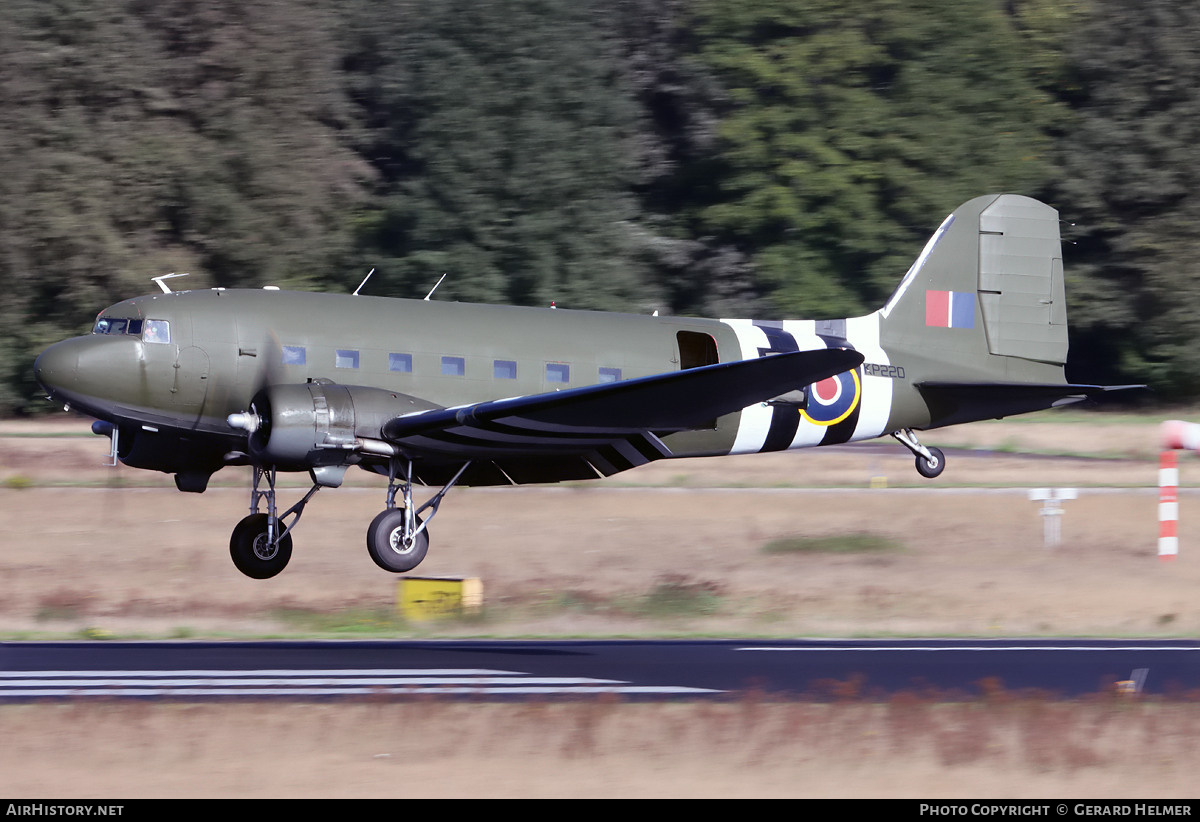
[629, 669]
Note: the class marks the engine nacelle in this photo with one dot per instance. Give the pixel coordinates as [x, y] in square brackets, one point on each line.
[191, 461]
[320, 423]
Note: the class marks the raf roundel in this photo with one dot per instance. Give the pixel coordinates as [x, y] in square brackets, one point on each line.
[833, 399]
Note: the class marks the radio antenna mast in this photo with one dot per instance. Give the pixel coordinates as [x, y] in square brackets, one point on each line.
[166, 288]
[439, 282]
[364, 282]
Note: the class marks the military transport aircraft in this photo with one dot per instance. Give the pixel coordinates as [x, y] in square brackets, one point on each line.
[444, 394]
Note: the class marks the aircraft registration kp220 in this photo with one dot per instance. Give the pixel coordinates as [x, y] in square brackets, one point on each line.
[444, 394]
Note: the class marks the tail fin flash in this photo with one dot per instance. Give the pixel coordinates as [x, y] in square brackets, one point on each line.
[988, 284]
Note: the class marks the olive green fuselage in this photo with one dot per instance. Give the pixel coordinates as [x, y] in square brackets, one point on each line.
[976, 329]
[227, 344]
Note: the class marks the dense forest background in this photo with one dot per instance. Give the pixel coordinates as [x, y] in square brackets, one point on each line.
[762, 158]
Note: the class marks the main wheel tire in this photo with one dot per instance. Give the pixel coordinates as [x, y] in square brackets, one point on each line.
[251, 552]
[931, 467]
[386, 546]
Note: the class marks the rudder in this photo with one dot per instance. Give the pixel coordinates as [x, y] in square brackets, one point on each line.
[1021, 291]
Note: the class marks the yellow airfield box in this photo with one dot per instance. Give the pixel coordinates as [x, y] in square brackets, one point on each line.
[423, 598]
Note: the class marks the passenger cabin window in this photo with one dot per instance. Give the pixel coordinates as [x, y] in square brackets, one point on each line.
[558, 372]
[504, 369]
[400, 362]
[345, 359]
[454, 366]
[157, 331]
[293, 355]
[610, 375]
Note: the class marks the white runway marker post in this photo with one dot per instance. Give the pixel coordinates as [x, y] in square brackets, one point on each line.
[1051, 513]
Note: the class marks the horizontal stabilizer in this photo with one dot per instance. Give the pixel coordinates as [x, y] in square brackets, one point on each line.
[951, 403]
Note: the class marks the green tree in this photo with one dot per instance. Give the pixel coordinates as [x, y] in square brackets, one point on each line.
[503, 135]
[676, 145]
[853, 126]
[1130, 171]
[139, 138]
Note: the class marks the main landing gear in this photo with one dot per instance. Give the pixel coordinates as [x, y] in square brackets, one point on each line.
[397, 539]
[930, 461]
[261, 544]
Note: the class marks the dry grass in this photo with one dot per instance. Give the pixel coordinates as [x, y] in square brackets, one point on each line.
[153, 562]
[684, 557]
[998, 746]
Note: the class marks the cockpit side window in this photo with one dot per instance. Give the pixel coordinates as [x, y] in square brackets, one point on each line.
[157, 331]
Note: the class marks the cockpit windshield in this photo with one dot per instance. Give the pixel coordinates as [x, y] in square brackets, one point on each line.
[151, 331]
[117, 325]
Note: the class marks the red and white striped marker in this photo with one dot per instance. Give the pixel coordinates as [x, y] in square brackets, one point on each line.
[1176, 435]
[1168, 505]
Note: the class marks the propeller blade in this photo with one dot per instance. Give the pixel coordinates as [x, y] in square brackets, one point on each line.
[269, 372]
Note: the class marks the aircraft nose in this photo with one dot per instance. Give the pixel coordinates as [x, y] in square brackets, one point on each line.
[91, 372]
[56, 365]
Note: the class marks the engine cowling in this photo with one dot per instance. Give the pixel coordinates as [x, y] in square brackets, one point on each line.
[192, 461]
[319, 423]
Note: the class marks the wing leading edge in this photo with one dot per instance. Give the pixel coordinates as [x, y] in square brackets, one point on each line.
[602, 429]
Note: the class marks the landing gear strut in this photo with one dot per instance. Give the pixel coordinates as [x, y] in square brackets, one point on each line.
[398, 538]
[930, 461]
[261, 544]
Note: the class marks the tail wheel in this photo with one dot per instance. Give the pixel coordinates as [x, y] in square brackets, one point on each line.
[388, 546]
[933, 465]
[253, 553]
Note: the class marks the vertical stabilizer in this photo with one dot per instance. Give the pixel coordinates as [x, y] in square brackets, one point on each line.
[986, 295]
